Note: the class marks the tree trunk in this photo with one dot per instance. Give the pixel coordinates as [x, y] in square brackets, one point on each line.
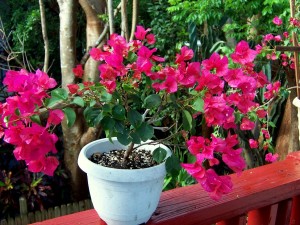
[94, 26]
[71, 136]
[288, 138]
[79, 134]
[67, 32]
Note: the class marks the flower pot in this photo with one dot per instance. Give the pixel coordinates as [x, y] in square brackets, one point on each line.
[296, 102]
[122, 196]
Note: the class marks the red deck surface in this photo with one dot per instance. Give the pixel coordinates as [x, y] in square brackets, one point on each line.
[88, 217]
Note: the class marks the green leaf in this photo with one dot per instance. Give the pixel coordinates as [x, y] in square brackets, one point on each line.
[6, 120]
[145, 131]
[135, 138]
[187, 120]
[135, 118]
[131, 57]
[152, 101]
[238, 117]
[108, 123]
[118, 112]
[70, 115]
[199, 105]
[35, 183]
[2, 184]
[36, 119]
[60, 93]
[159, 154]
[98, 119]
[119, 127]
[92, 103]
[105, 96]
[252, 116]
[17, 112]
[167, 181]
[50, 102]
[78, 101]
[92, 116]
[271, 124]
[124, 138]
[106, 108]
[173, 165]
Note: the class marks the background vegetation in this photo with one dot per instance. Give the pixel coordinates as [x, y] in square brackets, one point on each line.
[204, 25]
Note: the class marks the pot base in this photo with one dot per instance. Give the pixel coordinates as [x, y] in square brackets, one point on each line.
[122, 196]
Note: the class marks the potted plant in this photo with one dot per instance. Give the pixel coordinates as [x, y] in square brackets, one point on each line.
[138, 95]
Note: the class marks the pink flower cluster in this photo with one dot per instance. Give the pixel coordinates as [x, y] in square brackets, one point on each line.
[281, 39]
[33, 142]
[204, 150]
[227, 86]
[226, 91]
[295, 22]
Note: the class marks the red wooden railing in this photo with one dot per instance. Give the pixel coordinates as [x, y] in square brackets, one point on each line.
[267, 195]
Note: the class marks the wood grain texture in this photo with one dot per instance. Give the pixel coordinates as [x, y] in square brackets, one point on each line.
[263, 189]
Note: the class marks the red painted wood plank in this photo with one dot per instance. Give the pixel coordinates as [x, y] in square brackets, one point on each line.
[295, 217]
[239, 220]
[263, 216]
[284, 212]
[253, 189]
[88, 217]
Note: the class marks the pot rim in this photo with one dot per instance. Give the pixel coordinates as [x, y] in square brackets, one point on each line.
[121, 175]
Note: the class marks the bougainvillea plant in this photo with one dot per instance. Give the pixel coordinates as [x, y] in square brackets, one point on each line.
[137, 91]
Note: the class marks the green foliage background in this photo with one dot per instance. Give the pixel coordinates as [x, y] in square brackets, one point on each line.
[216, 24]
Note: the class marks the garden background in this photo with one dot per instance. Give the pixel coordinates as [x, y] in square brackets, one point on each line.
[205, 26]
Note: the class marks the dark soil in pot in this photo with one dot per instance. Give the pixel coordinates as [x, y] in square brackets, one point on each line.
[139, 159]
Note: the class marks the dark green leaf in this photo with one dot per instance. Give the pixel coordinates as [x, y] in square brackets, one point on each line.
[108, 123]
[78, 101]
[271, 124]
[92, 116]
[124, 138]
[119, 127]
[98, 119]
[70, 115]
[187, 120]
[36, 119]
[135, 138]
[2, 184]
[131, 57]
[159, 155]
[173, 165]
[145, 131]
[152, 101]
[118, 112]
[106, 108]
[17, 112]
[238, 117]
[135, 118]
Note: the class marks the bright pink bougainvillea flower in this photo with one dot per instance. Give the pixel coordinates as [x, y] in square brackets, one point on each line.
[277, 21]
[78, 71]
[219, 91]
[271, 157]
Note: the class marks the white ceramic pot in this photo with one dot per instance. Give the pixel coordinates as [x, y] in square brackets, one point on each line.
[296, 102]
[122, 196]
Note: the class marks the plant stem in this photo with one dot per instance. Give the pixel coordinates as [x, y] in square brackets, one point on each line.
[128, 152]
